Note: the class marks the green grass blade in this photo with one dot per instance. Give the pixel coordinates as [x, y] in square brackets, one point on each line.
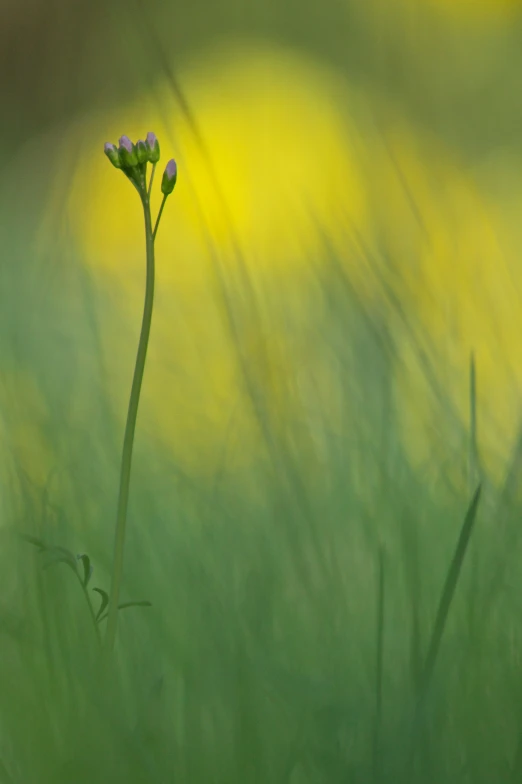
[449, 591]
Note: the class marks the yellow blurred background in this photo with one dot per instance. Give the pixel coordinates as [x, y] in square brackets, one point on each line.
[294, 152]
[281, 150]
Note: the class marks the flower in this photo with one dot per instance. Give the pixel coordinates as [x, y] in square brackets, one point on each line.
[170, 175]
[142, 151]
[111, 151]
[154, 148]
[127, 153]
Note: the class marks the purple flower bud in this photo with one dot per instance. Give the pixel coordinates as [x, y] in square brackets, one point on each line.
[111, 151]
[126, 142]
[153, 147]
[127, 153]
[170, 176]
[142, 151]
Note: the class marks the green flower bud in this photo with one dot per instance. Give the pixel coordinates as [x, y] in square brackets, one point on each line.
[127, 153]
[153, 147]
[111, 151]
[170, 175]
[142, 151]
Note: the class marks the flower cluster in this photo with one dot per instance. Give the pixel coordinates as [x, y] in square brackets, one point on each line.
[132, 159]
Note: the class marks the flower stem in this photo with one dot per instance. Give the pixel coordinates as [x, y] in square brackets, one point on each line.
[130, 428]
[159, 217]
[151, 180]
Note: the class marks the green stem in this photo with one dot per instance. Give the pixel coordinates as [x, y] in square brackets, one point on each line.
[91, 610]
[131, 180]
[151, 180]
[130, 428]
[158, 218]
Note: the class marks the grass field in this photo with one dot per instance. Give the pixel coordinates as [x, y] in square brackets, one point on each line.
[325, 503]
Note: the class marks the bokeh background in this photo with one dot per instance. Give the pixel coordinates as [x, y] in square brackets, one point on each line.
[334, 366]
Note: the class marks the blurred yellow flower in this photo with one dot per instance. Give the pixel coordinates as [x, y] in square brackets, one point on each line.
[274, 168]
[280, 158]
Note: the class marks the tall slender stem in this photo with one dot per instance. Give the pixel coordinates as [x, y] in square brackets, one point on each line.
[130, 428]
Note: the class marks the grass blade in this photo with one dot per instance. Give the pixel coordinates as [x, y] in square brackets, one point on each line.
[449, 592]
[439, 626]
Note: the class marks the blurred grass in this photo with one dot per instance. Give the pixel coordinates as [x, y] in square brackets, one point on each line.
[310, 433]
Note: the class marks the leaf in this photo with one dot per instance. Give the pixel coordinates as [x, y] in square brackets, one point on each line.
[143, 603]
[57, 555]
[64, 551]
[105, 601]
[56, 549]
[87, 568]
[35, 541]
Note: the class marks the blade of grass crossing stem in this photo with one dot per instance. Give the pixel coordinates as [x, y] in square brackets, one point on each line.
[439, 626]
[448, 593]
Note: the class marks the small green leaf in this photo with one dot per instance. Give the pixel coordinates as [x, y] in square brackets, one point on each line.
[34, 541]
[56, 557]
[64, 551]
[64, 555]
[105, 601]
[87, 568]
[143, 603]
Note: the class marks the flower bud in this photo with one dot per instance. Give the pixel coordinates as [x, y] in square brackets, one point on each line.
[111, 151]
[142, 151]
[170, 175]
[127, 153]
[153, 147]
